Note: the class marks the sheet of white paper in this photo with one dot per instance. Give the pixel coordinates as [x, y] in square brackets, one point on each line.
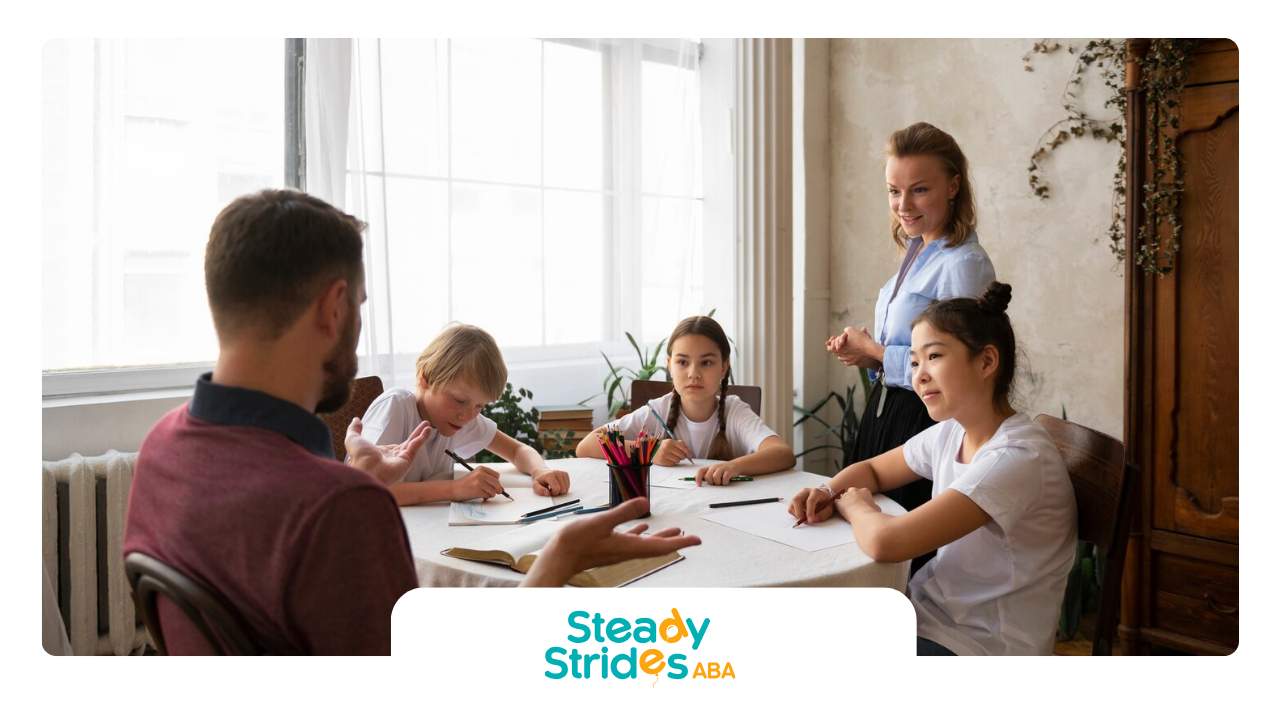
[673, 476]
[501, 511]
[771, 521]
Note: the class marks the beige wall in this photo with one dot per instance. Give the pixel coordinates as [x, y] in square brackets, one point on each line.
[1068, 302]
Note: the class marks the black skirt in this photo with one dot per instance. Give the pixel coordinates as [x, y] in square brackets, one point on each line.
[904, 417]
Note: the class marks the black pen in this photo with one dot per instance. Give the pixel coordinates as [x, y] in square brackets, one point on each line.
[454, 455]
[736, 503]
[549, 509]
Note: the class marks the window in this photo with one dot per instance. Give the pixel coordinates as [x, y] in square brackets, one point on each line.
[144, 142]
[549, 191]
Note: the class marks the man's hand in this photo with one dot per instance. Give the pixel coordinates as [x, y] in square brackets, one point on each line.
[593, 541]
[550, 482]
[387, 463]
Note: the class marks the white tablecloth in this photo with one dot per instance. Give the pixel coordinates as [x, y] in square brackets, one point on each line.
[726, 557]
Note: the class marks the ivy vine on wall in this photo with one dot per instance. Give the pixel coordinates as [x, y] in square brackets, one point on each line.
[1164, 72]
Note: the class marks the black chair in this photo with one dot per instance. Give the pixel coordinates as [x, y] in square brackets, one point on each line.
[1105, 501]
[642, 391]
[363, 392]
[213, 618]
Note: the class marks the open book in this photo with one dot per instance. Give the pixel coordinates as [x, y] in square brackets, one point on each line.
[519, 548]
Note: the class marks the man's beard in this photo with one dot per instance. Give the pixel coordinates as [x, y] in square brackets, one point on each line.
[339, 370]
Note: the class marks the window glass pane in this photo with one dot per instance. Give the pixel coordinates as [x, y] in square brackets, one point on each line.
[415, 94]
[144, 142]
[670, 131]
[577, 279]
[496, 261]
[671, 290]
[496, 110]
[575, 117]
[418, 258]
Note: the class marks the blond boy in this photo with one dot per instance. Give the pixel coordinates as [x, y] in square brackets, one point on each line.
[459, 373]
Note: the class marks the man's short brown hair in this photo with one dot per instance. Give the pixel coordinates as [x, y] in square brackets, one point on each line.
[270, 254]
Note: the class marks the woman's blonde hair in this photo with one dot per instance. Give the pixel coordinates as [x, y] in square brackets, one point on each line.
[924, 139]
[467, 353]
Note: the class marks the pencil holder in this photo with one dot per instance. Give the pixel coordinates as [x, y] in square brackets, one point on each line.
[627, 482]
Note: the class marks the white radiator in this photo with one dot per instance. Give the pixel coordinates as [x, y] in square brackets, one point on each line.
[82, 523]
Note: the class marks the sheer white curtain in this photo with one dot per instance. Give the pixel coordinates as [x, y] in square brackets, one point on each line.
[549, 191]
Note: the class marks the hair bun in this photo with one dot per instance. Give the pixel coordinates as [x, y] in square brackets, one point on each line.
[996, 299]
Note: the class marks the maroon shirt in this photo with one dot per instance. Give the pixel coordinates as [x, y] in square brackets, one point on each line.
[239, 491]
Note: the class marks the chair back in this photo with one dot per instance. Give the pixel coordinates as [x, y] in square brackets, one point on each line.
[642, 391]
[154, 582]
[363, 392]
[1104, 489]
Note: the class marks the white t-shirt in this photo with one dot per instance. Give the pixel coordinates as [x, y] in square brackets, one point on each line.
[393, 416]
[743, 427]
[997, 590]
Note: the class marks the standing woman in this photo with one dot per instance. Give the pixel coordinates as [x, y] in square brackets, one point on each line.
[933, 221]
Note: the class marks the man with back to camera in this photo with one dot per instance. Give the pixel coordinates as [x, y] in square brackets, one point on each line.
[239, 490]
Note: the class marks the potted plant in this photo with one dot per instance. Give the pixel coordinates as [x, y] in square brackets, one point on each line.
[846, 428]
[522, 426]
[617, 382]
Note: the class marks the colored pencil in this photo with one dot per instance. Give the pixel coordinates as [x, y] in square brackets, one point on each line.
[736, 503]
[666, 429]
[740, 478]
[549, 509]
[821, 506]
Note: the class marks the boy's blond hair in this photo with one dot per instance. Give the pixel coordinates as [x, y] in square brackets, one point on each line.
[466, 353]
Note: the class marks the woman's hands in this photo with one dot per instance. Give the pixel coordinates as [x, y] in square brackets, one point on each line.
[855, 347]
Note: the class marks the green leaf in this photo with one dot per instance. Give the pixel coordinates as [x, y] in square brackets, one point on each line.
[639, 354]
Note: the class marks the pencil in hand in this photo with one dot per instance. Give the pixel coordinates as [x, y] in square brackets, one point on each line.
[464, 464]
[821, 506]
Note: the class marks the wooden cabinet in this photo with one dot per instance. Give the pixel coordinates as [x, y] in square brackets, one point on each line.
[1182, 385]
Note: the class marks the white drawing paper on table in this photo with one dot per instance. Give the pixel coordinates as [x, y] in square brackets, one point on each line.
[673, 476]
[771, 521]
[501, 511]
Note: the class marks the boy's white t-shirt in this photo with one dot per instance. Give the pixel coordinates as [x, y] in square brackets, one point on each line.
[393, 416]
[999, 589]
[743, 427]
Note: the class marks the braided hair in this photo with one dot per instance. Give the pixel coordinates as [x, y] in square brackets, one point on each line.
[710, 329]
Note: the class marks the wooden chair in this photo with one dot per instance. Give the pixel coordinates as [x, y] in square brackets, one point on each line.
[1105, 499]
[363, 392]
[642, 391]
[215, 620]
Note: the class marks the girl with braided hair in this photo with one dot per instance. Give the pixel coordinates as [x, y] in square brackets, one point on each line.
[1003, 512]
[709, 422]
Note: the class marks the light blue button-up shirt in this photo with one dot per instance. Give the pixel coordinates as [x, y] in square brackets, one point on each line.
[938, 273]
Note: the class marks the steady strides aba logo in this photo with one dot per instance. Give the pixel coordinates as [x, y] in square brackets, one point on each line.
[628, 662]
